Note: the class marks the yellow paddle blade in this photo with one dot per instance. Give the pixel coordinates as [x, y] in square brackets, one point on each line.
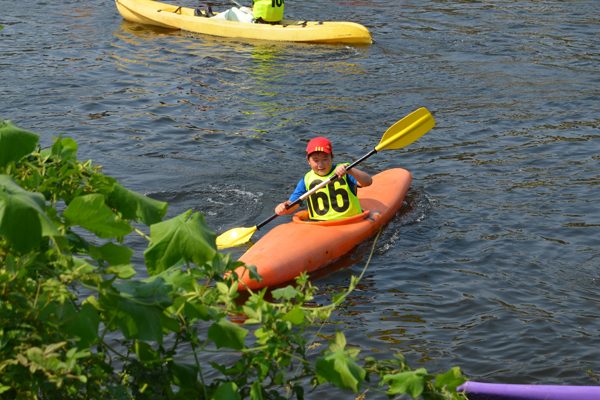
[235, 237]
[407, 130]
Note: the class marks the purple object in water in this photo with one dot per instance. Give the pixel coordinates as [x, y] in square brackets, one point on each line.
[499, 391]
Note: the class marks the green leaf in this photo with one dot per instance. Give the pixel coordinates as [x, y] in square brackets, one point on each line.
[122, 271]
[222, 287]
[111, 253]
[176, 277]
[101, 183]
[137, 207]
[181, 280]
[341, 370]
[152, 291]
[15, 143]
[64, 148]
[16, 266]
[145, 353]
[77, 244]
[69, 143]
[91, 213]
[254, 275]
[57, 146]
[177, 238]
[196, 311]
[222, 264]
[451, 379]
[169, 323]
[85, 326]
[227, 334]
[140, 322]
[256, 391]
[23, 221]
[227, 391]
[339, 343]
[288, 292]
[410, 382]
[299, 390]
[184, 375]
[295, 316]
[81, 265]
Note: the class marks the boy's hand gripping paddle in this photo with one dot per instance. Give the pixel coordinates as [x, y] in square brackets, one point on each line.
[399, 135]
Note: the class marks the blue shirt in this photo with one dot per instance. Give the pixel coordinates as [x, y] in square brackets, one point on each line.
[301, 187]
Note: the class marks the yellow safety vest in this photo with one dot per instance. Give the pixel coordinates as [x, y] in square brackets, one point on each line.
[334, 201]
[268, 10]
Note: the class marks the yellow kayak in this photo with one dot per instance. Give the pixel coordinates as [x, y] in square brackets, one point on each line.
[168, 16]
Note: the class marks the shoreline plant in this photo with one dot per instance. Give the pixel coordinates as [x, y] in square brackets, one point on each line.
[66, 281]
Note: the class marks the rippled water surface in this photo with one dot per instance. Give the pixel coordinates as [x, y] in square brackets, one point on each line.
[492, 264]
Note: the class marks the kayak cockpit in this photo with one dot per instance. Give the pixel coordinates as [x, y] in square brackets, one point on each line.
[301, 217]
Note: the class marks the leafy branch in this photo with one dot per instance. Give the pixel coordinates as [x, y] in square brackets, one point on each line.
[63, 232]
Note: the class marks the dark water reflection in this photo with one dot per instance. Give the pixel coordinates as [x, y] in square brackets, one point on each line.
[492, 264]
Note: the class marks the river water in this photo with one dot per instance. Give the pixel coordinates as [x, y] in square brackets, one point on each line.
[491, 265]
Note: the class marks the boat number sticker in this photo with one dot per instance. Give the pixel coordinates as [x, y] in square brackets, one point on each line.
[277, 3]
[320, 202]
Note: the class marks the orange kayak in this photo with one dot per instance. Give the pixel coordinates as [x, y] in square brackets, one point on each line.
[301, 245]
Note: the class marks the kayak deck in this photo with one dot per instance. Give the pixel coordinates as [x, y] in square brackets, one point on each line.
[170, 16]
[290, 249]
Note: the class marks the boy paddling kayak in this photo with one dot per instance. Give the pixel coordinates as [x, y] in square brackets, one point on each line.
[399, 135]
[339, 198]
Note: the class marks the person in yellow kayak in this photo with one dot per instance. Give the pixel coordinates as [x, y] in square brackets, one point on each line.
[338, 199]
[267, 11]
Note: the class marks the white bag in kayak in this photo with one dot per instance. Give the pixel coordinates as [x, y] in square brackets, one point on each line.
[243, 14]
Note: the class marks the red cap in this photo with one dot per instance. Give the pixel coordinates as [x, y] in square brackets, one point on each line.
[319, 144]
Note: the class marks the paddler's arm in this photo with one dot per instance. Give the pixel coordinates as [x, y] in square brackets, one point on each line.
[300, 190]
[280, 209]
[361, 177]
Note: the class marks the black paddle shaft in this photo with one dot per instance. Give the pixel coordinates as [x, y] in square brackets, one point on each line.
[298, 200]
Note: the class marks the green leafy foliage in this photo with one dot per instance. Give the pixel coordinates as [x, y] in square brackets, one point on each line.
[177, 238]
[338, 365]
[136, 207]
[227, 334]
[15, 143]
[450, 380]
[411, 382]
[23, 221]
[227, 391]
[91, 213]
[84, 325]
[59, 219]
